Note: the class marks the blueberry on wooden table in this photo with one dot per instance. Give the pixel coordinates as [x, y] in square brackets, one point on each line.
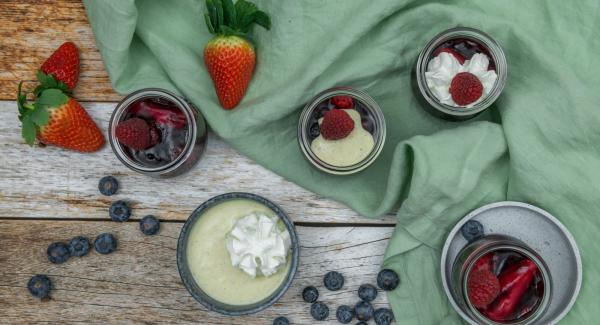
[58, 253]
[281, 321]
[319, 311]
[367, 292]
[79, 246]
[108, 185]
[383, 316]
[310, 294]
[387, 279]
[149, 225]
[39, 286]
[344, 314]
[472, 230]
[119, 211]
[105, 243]
[363, 311]
[333, 281]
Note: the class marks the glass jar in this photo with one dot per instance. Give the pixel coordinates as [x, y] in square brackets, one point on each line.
[195, 136]
[488, 46]
[372, 120]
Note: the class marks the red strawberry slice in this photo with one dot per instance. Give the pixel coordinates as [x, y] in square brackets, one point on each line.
[458, 56]
[337, 124]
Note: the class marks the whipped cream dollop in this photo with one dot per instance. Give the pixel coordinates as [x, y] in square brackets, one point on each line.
[257, 245]
[442, 69]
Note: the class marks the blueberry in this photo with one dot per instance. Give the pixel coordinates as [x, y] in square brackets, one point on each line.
[383, 316]
[58, 253]
[361, 323]
[368, 125]
[105, 243]
[108, 185]
[39, 286]
[149, 225]
[367, 292]
[79, 246]
[281, 321]
[314, 131]
[333, 281]
[319, 311]
[310, 294]
[119, 211]
[344, 314]
[387, 280]
[363, 311]
[472, 230]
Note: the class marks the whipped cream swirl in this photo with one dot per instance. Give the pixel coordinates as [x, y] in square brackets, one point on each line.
[442, 69]
[257, 245]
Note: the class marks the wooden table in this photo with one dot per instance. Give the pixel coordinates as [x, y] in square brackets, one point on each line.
[49, 194]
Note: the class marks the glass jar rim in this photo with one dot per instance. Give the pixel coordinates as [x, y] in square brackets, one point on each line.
[369, 104]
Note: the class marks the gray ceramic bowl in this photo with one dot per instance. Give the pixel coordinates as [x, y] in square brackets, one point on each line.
[196, 291]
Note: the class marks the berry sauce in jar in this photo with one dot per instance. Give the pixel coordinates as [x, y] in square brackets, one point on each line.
[465, 48]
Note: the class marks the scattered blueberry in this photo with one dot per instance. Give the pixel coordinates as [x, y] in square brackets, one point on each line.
[281, 321]
[79, 246]
[149, 225]
[363, 311]
[333, 281]
[472, 230]
[39, 286]
[105, 243]
[119, 211]
[108, 185]
[367, 292]
[387, 280]
[314, 131]
[344, 314]
[310, 294]
[319, 311]
[58, 253]
[383, 316]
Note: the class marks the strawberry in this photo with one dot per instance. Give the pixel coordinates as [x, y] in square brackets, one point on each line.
[454, 53]
[483, 287]
[342, 102]
[337, 124]
[465, 88]
[63, 64]
[134, 133]
[229, 56]
[59, 120]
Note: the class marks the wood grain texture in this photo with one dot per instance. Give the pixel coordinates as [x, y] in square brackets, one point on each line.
[32, 29]
[55, 183]
[139, 283]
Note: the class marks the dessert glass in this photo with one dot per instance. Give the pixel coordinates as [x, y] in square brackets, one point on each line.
[203, 297]
[467, 258]
[482, 41]
[195, 137]
[372, 120]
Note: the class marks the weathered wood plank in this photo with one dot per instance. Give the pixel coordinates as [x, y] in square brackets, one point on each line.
[33, 29]
[140, 282]
[55, 183]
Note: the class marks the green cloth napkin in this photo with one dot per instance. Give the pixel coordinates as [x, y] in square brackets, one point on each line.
[539, 143]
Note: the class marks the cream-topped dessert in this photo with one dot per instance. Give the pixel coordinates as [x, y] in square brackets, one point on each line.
[343, 148]
[230, 223]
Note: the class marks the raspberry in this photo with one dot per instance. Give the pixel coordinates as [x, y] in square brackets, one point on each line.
[134, 133]
[458, 56]
[465, 88]
[337, 124]
[342, 102]
[483, 287]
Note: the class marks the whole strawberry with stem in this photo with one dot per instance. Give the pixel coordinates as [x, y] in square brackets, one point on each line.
[230, 57]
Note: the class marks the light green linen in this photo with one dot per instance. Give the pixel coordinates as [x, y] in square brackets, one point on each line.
[539, 143]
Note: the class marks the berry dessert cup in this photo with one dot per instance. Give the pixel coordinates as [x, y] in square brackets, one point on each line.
[460, 73]
[157, 133]
[341, 131]
[500, 280]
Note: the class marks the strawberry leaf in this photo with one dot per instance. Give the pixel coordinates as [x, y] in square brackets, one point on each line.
[219, 7]
[230, 14]
[21, 101]
[40, 116]
[48, 81]
[51, 98]
[28, 131]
